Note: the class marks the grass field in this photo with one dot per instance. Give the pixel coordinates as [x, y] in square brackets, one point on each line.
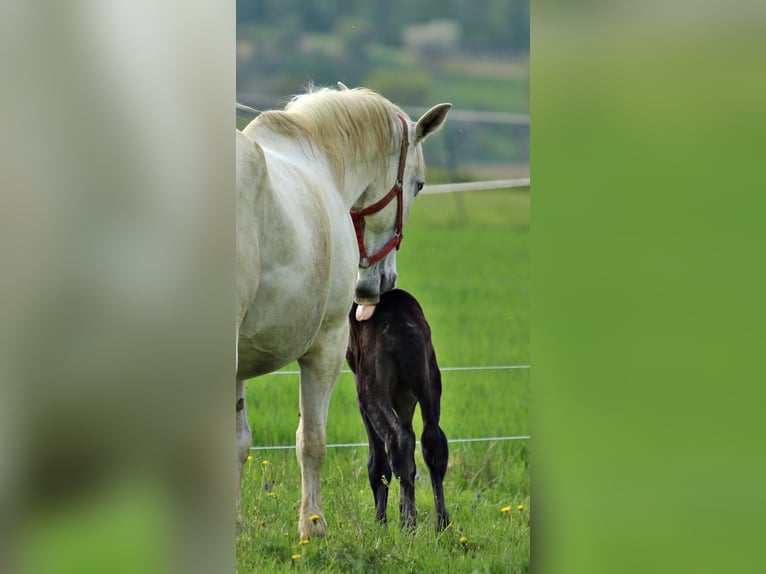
[466, 258]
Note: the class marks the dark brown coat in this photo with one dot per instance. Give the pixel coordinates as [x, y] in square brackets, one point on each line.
[394, 363]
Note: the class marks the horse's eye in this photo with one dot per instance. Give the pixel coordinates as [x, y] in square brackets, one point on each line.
[420, 186]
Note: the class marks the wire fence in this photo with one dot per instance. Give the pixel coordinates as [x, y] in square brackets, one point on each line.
[442, 369]
[472, 138]
[451, 441]
[436, 189]
[362, 444]
[254, 103]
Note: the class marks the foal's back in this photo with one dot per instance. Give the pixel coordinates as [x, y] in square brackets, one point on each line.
[397, 335]
[392, 356]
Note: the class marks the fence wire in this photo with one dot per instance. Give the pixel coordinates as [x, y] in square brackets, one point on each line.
[434, 189]
[451, 441]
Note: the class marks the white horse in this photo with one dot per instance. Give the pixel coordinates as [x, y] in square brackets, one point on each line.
[323, 189]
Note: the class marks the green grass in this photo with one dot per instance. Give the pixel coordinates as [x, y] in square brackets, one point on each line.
[483, 93]
[466, 258]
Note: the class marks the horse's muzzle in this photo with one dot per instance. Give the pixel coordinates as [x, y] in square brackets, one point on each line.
[366, 296]
[369, 289]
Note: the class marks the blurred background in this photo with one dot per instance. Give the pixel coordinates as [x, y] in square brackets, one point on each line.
[417, 54]
[646, 296]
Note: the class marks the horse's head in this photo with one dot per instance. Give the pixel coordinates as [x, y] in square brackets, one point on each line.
[382, 209]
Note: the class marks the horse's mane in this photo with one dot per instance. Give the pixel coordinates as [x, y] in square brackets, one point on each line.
[357, 124]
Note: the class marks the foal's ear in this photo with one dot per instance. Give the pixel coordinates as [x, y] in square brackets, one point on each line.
[431, 121]
[342, 87]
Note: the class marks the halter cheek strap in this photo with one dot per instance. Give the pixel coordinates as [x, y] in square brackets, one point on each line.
[357, 215]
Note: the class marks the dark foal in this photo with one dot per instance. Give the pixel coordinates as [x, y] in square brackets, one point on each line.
[395, 367]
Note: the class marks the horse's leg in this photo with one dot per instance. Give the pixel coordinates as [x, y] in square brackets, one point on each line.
[378, 468]
[244, 440]
[320, 368]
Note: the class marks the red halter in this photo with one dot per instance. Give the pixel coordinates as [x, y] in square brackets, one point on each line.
[395, 192]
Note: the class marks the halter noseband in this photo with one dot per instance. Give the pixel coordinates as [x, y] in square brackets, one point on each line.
[395, 192]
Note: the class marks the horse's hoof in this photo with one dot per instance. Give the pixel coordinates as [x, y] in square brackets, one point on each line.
[314, 526]
[240, 526]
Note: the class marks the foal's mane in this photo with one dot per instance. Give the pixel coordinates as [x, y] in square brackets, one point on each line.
[357, 124]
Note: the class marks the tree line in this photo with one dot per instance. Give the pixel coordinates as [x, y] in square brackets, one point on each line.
[496, 26]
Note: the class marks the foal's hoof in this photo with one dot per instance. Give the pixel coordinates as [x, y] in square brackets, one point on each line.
[409, 523]
[313, 526]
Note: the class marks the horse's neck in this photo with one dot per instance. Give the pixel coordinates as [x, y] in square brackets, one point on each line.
[357, 176]
[356, 183]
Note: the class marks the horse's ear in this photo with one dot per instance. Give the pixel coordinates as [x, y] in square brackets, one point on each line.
[342, 87]
[431, 121]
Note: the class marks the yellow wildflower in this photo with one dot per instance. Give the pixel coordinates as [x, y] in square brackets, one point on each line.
[314, 517]
[265, 462]
[271, 495]
[295, 556]
[303, 542]
[463, 540]
[505, 509]
[520, 507]
[249, 457]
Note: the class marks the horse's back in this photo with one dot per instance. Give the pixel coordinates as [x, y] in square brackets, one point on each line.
[296, 250]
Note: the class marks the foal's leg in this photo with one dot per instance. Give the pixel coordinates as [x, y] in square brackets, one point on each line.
[402, 452]
[378, 468]
[244, 440]
[433, 440]
[436, 454]
[320, 368]
[392, 422]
